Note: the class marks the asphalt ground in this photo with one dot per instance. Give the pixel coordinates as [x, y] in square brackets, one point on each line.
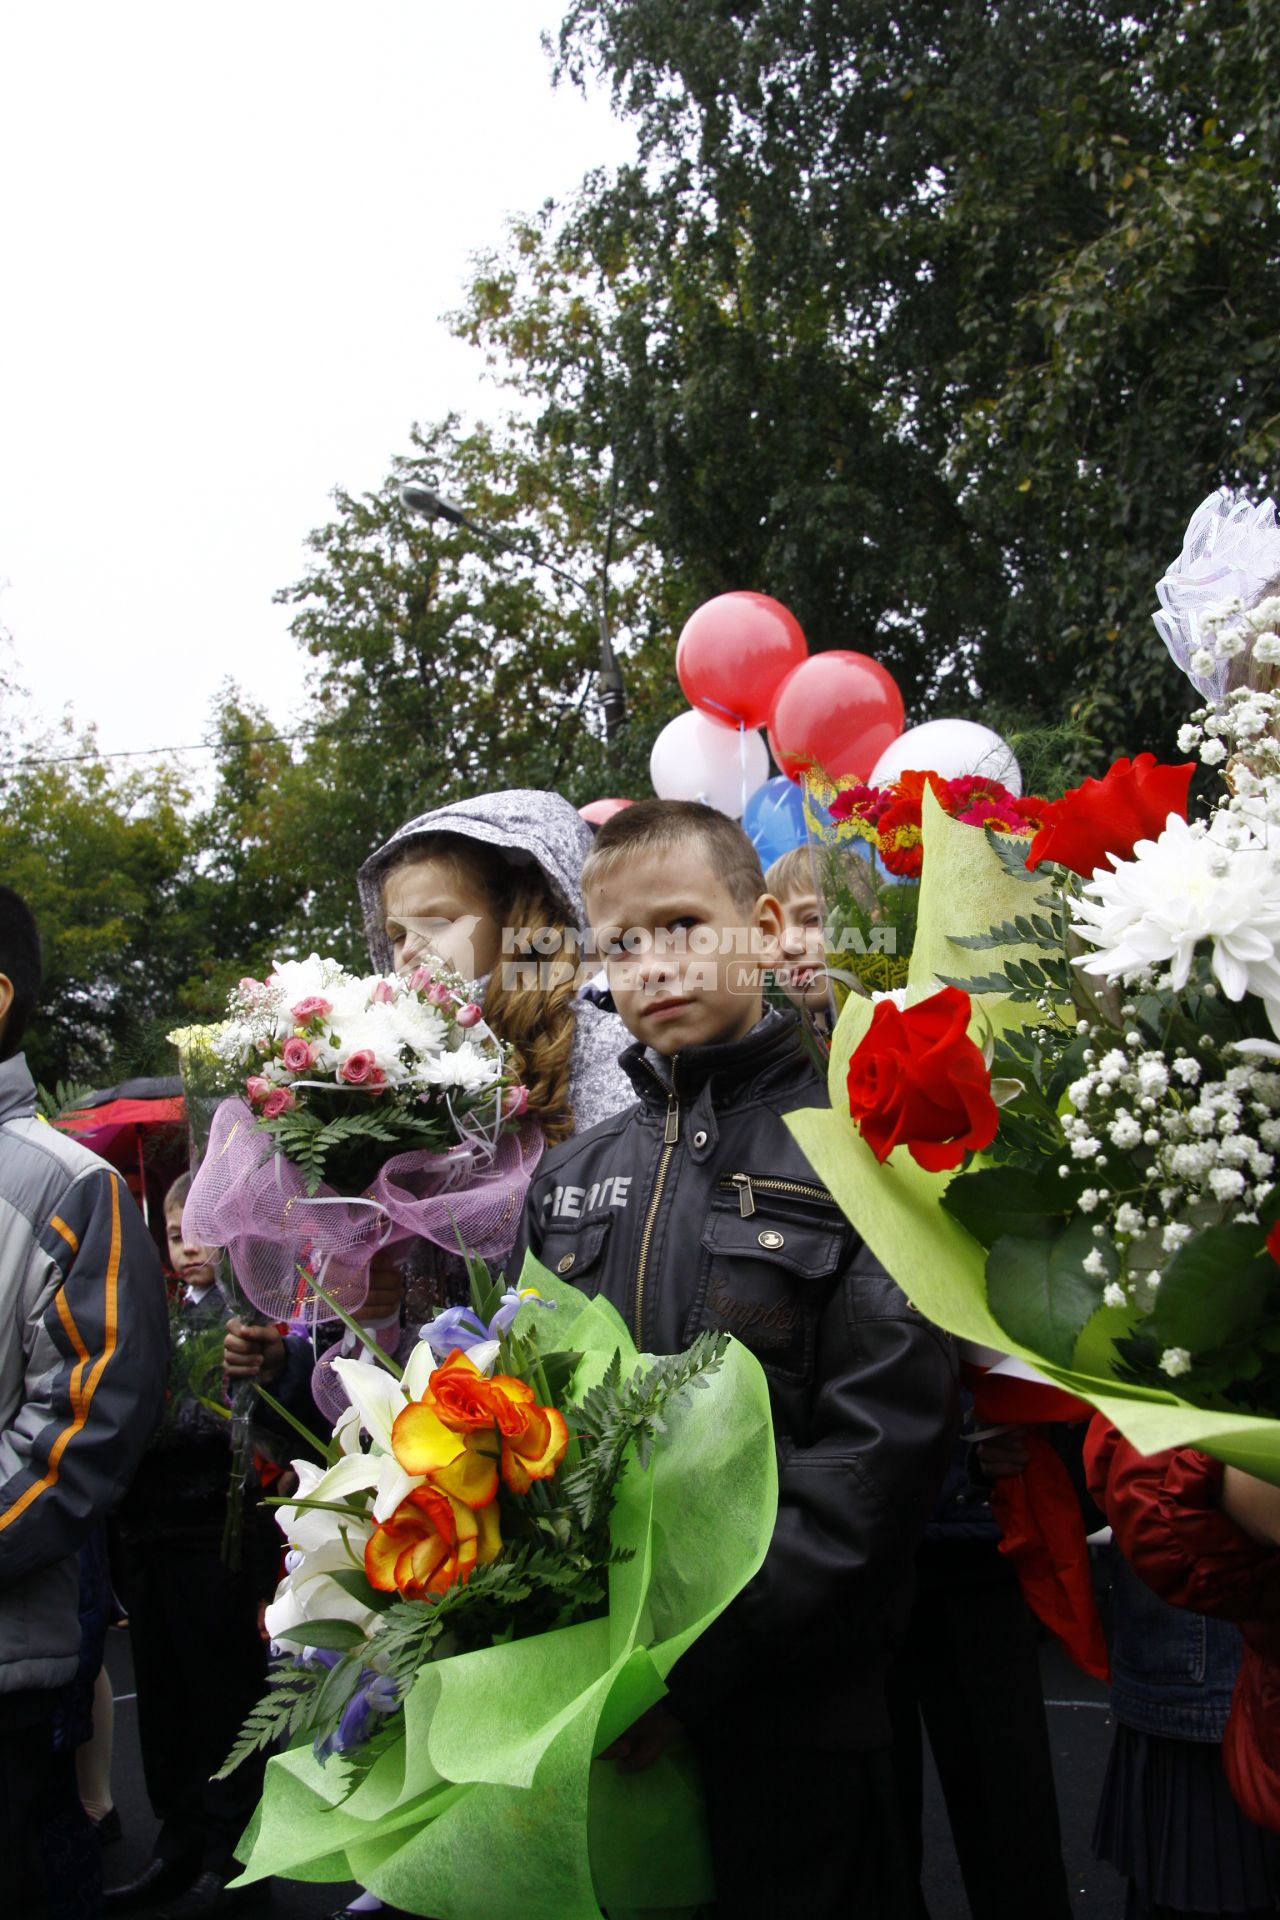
[1079, 1729]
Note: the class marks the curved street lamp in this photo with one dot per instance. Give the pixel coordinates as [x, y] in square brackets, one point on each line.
[429, 505]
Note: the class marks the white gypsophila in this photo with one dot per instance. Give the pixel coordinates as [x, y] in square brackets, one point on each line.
[1178, 891]
[1175, 1361]
[1209, 1159]
[1114, 1295]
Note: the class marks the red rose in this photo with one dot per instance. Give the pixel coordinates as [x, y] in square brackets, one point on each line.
[916, 1079]
[1273, 1241]
[1131, 802]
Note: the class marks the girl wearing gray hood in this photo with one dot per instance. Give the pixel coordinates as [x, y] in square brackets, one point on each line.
[491, 885]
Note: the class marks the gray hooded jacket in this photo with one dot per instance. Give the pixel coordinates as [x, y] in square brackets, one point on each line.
[84, 1359]
[532, 829]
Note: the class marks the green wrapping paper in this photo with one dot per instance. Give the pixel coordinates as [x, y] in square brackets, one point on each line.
[491, 1805]
[897, 1207]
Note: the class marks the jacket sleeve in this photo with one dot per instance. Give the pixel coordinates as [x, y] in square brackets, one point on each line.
[1166, 1521]
[853, 1503]
[94, 1335]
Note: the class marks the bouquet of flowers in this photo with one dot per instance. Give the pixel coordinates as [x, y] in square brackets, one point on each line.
[508, 1548]
[372, 1110]
[873, 903]
[1073, 1157]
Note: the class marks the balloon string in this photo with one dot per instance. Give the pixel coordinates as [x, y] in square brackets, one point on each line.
[742, 766]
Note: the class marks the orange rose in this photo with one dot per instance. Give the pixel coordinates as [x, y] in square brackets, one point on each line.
[460, 1394]
[464, 1466]
[429, 1544]
[534, 1438]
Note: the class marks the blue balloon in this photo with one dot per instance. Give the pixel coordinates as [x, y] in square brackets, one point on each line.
[773, 819]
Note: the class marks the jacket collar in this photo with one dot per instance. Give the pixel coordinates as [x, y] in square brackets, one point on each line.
[17, 1089]
[774, 1042]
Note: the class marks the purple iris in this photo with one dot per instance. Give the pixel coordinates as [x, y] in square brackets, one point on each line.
[458, 1329]
[377, 1693]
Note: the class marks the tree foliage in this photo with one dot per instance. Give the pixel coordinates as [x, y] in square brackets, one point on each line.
[101, 860]
[935, 321]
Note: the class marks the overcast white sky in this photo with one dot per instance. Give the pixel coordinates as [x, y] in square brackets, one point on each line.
[229, 234]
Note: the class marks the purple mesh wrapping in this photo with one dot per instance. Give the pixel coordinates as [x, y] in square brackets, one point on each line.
[248, 1198]
[327, 1389]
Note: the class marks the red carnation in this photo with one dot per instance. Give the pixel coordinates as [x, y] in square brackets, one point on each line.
[900, 838]
[1131, 802]
[916, 1079]
[859, 803]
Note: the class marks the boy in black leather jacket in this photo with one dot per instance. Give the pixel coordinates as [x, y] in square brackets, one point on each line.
[696, 1209]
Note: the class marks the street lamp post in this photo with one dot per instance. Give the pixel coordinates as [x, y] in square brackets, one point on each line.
[429, 505]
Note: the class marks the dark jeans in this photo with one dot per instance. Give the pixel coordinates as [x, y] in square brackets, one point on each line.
[970, 1669]
[799, 1831]
[200, 1665]
[52, 1860]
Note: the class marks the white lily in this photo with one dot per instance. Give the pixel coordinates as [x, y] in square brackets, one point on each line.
[309, 1592]
[322, 1542]
[378, 1399]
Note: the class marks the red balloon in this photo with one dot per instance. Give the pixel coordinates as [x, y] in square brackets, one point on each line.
[837, 712]
[733, 654]
[596, 812]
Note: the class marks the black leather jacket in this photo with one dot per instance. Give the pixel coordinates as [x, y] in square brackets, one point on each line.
[696, 1209]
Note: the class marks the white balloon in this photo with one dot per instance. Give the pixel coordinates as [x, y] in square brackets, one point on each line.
[950, 748]
[694, 758]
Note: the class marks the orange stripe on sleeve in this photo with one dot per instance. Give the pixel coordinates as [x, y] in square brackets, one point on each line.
[77, 1340]
[81, 1396]
[60, 1226]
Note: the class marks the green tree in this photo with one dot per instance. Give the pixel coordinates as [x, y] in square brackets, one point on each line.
[446, 666]
[102, 860]
[935, 321]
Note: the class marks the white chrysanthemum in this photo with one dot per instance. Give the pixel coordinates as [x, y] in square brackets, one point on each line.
[1177, 891]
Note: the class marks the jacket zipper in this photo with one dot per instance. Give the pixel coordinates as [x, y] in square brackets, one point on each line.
[746, 1184]
[670, 1137]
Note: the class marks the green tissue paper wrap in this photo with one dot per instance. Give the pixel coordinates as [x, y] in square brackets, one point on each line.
[897, 1207]
[491, 1806]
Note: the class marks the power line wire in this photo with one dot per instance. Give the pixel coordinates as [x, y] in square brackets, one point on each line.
[214, 746]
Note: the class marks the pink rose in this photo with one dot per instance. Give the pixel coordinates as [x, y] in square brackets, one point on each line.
[384, 992]
[257, 1088]
[312, 1008]
[514, 1102]
[421, 979]
[468, 1015]
[438, 995]
[278, 1101]
[297, 1054]
[358, 1067]
[250, 987]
